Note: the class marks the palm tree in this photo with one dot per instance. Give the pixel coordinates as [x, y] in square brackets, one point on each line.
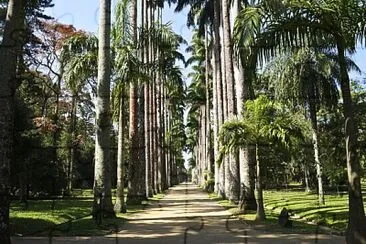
[9, 50]
[339, 24]
[136, 185]
[79, 55]
[263, 121]
[120, 34]
[231, 169]
[196, 99]
[244, 93]
[306, 77]
[218, 89]
[147, 106]
[167, 46]
[120, 204]
[102, 180]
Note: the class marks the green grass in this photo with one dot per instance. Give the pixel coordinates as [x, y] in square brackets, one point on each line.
[305, 210]
[42, 216]
[333, 214]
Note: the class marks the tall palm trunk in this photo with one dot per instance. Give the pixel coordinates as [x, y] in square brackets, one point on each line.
[162, 136]
[9, 50]
[208, 105]
[215, 123]
[260, 206]
[72, 146]
[57, 131]
[158, 134]
[136, 187]
[147, 121]
[102, 180]
[231, 170]
[203, 143]
[219, 88]
[356, 233]
[319, 173]
[147, 114]
[120, 206]
[152, 107]
[155, 137]
[225, 164]
[247, 198]
[306, 176]
[166, 143]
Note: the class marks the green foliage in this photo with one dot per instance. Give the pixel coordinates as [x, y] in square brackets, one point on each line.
[196, 92]
[264, 122]
[79, 55]
[304, 77]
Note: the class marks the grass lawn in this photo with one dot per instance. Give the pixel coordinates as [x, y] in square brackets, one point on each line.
[65, 217]
[304, 208]
[271, 222]
[333, 214]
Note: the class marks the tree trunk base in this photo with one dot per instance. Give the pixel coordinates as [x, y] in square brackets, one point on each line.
[356, 233]
[135, 200]
[119, 207]
[246, 205]
[4, 217]
[260, 216]
[150, 194]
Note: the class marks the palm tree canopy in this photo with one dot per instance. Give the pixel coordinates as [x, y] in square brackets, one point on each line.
[264, 121]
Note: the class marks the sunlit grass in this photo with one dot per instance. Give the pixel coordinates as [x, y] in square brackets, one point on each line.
[39, 217]
[304, 207]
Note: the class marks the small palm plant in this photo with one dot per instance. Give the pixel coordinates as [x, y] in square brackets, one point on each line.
[264, 122]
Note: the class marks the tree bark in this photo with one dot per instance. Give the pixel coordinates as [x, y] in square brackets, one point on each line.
[72, 146]
[158, 135]
[136, 186]
[120, 206]
[102, 180]
[215, 123]
[260, 215]
[208, 107]
[162, 136]
[220, 94]
[306, 176]
[9, 50]
[232, 169]
[247, 198]
[319, 173]
[155, 139]
[356, 232]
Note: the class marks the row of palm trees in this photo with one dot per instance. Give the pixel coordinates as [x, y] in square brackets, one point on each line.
[147, 100]
[137, 76]
[235, 40]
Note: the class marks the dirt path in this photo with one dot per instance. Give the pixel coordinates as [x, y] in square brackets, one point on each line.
[187, 215]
